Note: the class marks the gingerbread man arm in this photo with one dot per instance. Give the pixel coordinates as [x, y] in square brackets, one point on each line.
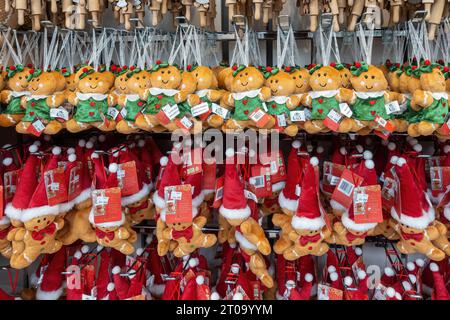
[422, 98]
[55, 100]
[17, 234]
[123, 233]
[280, 219]
[326, 233]
[432, 232]
[5, 96]
[182, 96]
[293, 236]
[228, 99]
[167, 234]
[193, 100]
[394, 96]
[72, 98]
[214, 95]
[199, 222]
[265, 93]
[293, 102]
[59, 223]
[346, 95]
[143, 94]
[307, 100]
[112, 100]
[339, 228]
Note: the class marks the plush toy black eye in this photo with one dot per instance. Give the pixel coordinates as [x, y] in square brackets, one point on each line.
[20, 78]
[90, 78]
[143, 77]
[271, 81]
[246, 73]
[325, 74]
[162, 72]
[137, 78]
[319, 75]
[168, 72]
[366, 76]
[373, 77]
[294, 78]
[276, 81]
[96, 78]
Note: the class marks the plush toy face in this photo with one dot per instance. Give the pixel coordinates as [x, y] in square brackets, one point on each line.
[371, 80]
[104, 229]
[121, 84]
[109, 75]
[71, 85]
[394, 81]
[166, 78]
[96, 82]
[139, 81]
[39, 223]
[205, 78]
[301, 79]
[281, 84]
[235, 222]
[19, 82]
[224, 78]
[44, 84]
[305, 232]
[60, 81]
[324, 79]
[345, 77]
[179, 226]
[433, 81]
[247, 79]
[410, 230]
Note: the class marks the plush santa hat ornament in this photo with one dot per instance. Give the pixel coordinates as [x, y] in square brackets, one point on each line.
[170, 177]
[288, 198]
[440, 291]
[53, 281]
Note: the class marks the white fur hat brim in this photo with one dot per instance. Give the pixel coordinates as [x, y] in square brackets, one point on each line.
[337, 206]
[31, 213]
[416, 223]
[235, 213]
[105, 224]
[198, 200]
[49, 295]
[158, 201]
[141, 194]
[306, 223]
[285, 203]
[83, 196]
[278, 186]
[12, 212]
[360, 227]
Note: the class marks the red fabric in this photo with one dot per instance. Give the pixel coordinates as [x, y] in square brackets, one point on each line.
[170, 177]
[39, 197]
[134, 210]
[308, 206]
[195, 180]
[103, 279]
[4, 233]
[39, 235]
[369, 175]
[27, 183]
[410, 192]
[412, 236]
[101, 234]
[186, 233]
[5, 296]
[52, 278]
[352, 237]
[100, 173]
[233, 189]
[304, 240]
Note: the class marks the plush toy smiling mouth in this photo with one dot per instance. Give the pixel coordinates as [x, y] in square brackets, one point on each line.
[122, 88]
[369, 88]
[323, 85]
[34, 88]
[93, 87]
[244, 85]
[165, 81]
[301, 86]
[24, 86]
[274, 90]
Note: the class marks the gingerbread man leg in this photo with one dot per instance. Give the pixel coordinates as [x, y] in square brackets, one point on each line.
[258, 267]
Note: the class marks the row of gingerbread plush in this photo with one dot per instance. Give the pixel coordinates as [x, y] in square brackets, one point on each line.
[107, 274]
[359, 98]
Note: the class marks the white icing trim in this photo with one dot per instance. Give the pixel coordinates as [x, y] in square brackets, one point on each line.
[37, 97]
[95, 96]
[202, 93]
[168, 92]
[324, 94]
[278, 99]
[17, 94]
[440, 95]
[131, 97]
[368, 95]
[246, 94]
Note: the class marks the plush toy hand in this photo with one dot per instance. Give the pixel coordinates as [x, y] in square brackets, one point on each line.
[422, 98]
[293, 236]
[123, 233]
[339, 228]
[214, 95]
[280, 220]
[5, 96]
[293, 102]
[228, 100]
[200, 222]
[346, 95]
[253, 232]
[326, 232]
[16, 234]
[59, 223]
[143, 94]
[265, 93]
[193, 100]
[72, 98]
[432, 232]
[306, 100]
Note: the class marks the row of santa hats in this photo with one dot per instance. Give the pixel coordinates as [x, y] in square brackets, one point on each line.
[30, 198]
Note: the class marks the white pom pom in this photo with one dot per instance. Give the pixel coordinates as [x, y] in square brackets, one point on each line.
[394, 160]
[234, 269]
[410, 266]
[215, 296]
[72, 157]
[110, 287]
[361, 274]
[309, 148]
[71, 151]
[290, 284]
[85, 249]
[7, 161]
[113, 167]
[348, 281]
[420, 262]
[193, 262]
[369, 164]
[331, 269]
[308, 277]
[398, 296]
[232, 245]
[229, 152]
[139, 251]
[116, 270]
[200, 280]
[314, 161]
[102, 138]
[447, 148]
[82, 143]
[343, 151]
[390, 292]
[389, 272]
[296, 144]
[163, 161]
[176, 145]
[401, 162]
[391, 146]
[367, 155]
[413, 141]
[334, 276]
[99, 248]
[320, 149]
[406, 285]
[56, 151]
[141, 143]
[358, 251]
[149, 239]
[77, 254]
[434, 267]
[412, 278]
[33, 148]
[94, 155]
[417, 147]
[238, 296]
[359, 148]
[89, 145]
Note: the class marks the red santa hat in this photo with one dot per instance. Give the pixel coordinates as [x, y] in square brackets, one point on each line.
[440, 291]
[288, 198]
[52, 285]
[71, 163]
[170, 177]
[103, 279]
[156, 268]
[195, 180]
[416, 210]
[83, 152]
[121, 284]
[25, 187]
[38, 205]
[105, 181]
[74, 292]
[389, 277]
[147, 164]
[234, 204]
[305, 291]
[308, 215]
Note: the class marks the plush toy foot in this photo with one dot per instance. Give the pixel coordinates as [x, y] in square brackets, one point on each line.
[125, 247]
[197, 126]
[208, 240]
[435, 254]
[314, 126]
[126, 127]
[291, 130]
[291, 254]
[163, 247]
[7, 252]
[281, 245]
[365, 131]
[426, 128]
[22, 127]
[147, 122]
[258, 267]
[233, 126]
[413, 130]
[255, 234]
[74, 126]
[110, 125]
[346, 125]
[215, 121]
[401, 125]
[53, 127]
[9, 120]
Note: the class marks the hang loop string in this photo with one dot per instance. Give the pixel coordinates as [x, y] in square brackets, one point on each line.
[419, 40]
[241, 49]
[366, 44]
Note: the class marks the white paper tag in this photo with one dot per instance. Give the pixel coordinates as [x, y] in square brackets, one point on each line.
[171, 111]
[101, 201]
[186, 122]
[250, 195]
[38, 125]
[175, 195]
[200, 109]
[298, 190]
[59, 112]
[381, 121]
[215, 108]
[112, 113]
[345, 110]
[257, 182]
[281, 120]
[392, 107]
[123, 112]
[54, 186]
[333, 180]
[334, 115]
[298, 115]
[380, 292]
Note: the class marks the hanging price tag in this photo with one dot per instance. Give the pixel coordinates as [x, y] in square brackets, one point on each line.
[113, 113]
[178, 203]
[184, 123]
[343, 193]
[59, 113]
[10, 180]
[123, 112]
[386, 128]
[218, 194]
[74, 187]
[107, 205]
[55, 186]
[250, 195]
[325, 292]
[259, 117]
[388, 193]
[332, 120]
[264, 106]
[167, 114]
[200, 109]
[345, 109]
[220, 111]
[281, 120]
[260, 181]
[331, 175]
[36, 128]
[367, 204]
[297, 115]
[127, 178]
[192, 163]
[439, 178]
[392, 107]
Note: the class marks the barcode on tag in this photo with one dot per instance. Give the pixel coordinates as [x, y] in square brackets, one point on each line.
[334, 115]
[256, 116]
[123, 112]
[112, 113]
[392, 107]
[345, 110]
[175, 195]
[215, 108]
[298, 115]
[200, 109]
[382, 122]
[281, 120]
[38, 125]
[250, 195]
[171, 111]
[345, 187]
[59, 113]
[54, 186]
[101, 201]
[257, 181]
[219, 194]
